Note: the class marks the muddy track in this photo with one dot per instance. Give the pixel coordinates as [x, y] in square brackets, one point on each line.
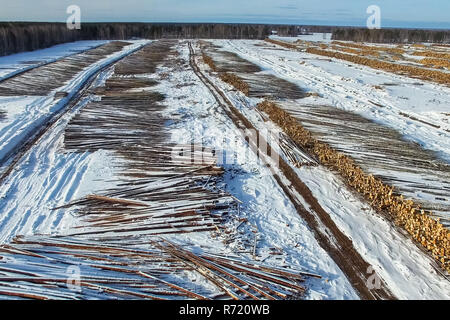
[328, 235]
[16, 154]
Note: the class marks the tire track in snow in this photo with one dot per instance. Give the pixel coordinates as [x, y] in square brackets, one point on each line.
[77, 91]
[39, 184]
[26, 205]
[330, 238]
[385, 247]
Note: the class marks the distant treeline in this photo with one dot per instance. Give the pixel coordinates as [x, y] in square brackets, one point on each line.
[17, 37]
[391, 35]
[26, 36]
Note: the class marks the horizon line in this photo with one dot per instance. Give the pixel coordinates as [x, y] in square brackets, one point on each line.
[242, 23]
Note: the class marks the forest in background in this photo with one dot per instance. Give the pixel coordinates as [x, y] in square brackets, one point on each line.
[17, 37]
[26, 36]
[388, 35]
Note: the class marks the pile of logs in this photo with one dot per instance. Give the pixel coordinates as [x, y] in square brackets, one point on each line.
[75, 268]
[180, 203]
[236, 82]
[115, 249]
[436, 62]
[146, 60]
[295, 153]
[363, 52]
[411, 71]
[209, 61]
[164, 188]
[347, 50]
[370, 48]
[432, 54]
[440, 45]
[425, 229]
[282, 44]
[42, 80]
[227, 77]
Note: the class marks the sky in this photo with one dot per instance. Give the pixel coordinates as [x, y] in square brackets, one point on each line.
[394, 13]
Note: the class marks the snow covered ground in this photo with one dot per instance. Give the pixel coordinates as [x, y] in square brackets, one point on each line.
[264, 203]
[25, 113]
[405, 268]
[351, 87]
[14, 63]
[51, 177]
[48, 176]
[45, 177]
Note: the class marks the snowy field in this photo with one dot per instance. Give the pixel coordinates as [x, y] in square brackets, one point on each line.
[12, 64]
[351, 87]
[382, 245]
[25, 113]
[47, 175]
